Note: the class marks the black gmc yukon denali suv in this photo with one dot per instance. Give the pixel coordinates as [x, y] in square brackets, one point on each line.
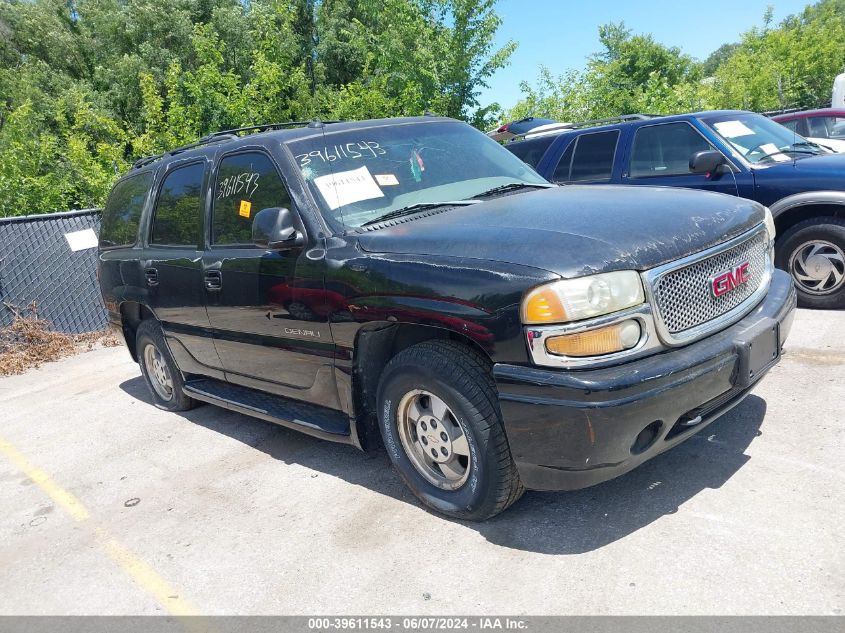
[410, 281]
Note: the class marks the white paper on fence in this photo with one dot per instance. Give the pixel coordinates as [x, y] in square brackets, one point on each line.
[774, 153]
[80, 240]
[732, 129]
[346, 187]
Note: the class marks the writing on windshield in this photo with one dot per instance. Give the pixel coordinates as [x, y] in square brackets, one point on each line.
[357, 176]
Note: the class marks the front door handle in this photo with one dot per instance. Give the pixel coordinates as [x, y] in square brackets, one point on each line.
[213, 280]
[151, 275]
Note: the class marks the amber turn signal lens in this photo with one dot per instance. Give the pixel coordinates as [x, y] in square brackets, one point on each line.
[544, 306]
[605, 340]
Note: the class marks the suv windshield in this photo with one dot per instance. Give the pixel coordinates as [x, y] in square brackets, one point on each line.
[760, 140]
[359, 176]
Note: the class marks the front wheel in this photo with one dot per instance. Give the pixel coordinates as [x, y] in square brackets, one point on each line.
[441, 425]
[813, 252]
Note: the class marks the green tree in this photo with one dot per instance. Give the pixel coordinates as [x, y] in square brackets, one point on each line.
[791, 65]
[87, 86]
[631, 73]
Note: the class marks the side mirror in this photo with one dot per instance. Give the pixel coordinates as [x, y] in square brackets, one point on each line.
[707, 162]
[274, 228]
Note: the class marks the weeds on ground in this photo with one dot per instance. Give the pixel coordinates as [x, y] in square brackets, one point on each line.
[30, 341]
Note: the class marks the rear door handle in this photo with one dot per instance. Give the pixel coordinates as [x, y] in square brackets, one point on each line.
[213, 280]
[151, 275]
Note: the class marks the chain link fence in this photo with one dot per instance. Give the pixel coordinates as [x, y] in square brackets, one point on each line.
[51, 259]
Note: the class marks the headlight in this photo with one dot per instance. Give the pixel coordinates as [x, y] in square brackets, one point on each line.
[770, 225]
[582, 298]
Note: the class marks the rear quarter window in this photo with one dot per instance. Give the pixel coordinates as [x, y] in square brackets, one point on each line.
[531, 151]
[589, 157]
[122, 214]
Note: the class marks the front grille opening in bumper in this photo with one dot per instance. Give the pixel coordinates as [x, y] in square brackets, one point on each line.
[696, 416]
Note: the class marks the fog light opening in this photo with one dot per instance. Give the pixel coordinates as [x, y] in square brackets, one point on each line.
[647, 437]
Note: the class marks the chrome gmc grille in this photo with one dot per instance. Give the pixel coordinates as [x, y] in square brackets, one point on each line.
[683, 296]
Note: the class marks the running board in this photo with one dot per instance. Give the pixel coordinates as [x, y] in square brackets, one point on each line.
[321, 422]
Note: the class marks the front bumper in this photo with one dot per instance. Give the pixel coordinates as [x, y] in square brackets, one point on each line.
[573, 429]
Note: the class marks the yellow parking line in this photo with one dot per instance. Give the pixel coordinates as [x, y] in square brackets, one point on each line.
[41, 479]
[144, 575]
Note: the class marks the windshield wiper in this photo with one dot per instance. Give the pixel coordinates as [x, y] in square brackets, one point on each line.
[512, 186]
[804, 144]
[788, 150]
[418, 206]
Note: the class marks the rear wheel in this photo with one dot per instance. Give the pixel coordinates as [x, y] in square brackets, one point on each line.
[813, 252]
[440, 421]
[163, 378]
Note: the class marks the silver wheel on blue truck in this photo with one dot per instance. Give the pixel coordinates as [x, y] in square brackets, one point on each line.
[813, 252]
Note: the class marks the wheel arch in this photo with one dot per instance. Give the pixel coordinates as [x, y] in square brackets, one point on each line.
[132, 313]
[791, 210]
[375, 344]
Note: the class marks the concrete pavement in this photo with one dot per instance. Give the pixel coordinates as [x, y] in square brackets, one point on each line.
[111, 506]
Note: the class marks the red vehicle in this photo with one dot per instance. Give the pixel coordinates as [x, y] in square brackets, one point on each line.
[825, 127]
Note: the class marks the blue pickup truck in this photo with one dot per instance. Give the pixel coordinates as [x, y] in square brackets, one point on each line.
[731, 152]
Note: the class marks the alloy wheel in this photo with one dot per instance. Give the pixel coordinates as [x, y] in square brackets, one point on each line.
[158, 372]
[434, 440]
[818, 267]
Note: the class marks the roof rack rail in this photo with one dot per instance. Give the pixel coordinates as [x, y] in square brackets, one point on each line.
[821, 106]
[228, 135]
[551, 129]
[783, 111]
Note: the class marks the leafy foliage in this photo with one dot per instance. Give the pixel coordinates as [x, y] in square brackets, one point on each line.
[88, 86]
[789, 65]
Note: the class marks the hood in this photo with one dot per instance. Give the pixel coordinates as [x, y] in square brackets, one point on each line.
[827, 165]
[575, 230]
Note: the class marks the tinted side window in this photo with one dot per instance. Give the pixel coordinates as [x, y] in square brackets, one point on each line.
[817, 126]
[564, 165]
[665, 150]
[531, 151]
[246, 183]
[826, 126]
[837, 127]
[790, 125]
[594, 156]
[177, 216]
[119, 225]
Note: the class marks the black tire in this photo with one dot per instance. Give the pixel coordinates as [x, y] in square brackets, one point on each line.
[149, 334]
[461, 379]
[799, 239]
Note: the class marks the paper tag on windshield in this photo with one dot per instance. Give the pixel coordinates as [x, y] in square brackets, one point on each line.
[386, 180]
[774, 153]
[732, 129]
[346, 187]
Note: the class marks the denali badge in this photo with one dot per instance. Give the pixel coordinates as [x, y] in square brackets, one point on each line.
[730, 280]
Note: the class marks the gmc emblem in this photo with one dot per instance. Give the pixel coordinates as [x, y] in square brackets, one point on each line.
[729, 280]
